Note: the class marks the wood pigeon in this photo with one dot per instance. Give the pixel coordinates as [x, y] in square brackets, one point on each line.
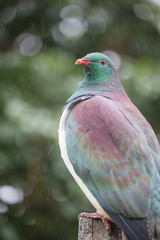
[112, 152]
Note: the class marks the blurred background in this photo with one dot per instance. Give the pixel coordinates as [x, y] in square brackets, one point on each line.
[39, 44]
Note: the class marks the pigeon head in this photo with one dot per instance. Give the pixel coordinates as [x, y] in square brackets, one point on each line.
[98, 68]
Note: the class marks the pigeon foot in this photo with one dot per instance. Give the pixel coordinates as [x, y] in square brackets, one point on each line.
[96, 215]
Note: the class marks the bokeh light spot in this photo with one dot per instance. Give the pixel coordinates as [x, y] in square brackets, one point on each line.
[144, 12]
[29, 45]
[10, 194]
[7, 14]
[72, 27]
[71, 11]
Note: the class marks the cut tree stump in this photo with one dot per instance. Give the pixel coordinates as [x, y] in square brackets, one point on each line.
[94, 229]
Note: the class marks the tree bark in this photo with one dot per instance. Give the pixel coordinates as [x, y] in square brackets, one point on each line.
[94, 229]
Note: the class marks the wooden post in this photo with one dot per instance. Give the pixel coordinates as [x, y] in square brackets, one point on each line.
[94, 229]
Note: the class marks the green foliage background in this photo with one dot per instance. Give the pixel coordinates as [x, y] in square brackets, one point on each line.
[39, 43]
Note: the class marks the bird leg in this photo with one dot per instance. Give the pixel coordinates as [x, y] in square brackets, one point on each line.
[97, 215]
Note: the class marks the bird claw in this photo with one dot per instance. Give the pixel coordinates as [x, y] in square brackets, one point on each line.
[96, 215]
[107, 223]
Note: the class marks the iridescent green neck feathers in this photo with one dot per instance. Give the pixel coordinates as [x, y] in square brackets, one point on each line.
[99, 70]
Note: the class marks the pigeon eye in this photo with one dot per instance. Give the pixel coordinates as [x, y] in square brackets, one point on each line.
[103, 62]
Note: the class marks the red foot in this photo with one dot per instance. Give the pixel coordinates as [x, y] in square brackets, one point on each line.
[97, 215]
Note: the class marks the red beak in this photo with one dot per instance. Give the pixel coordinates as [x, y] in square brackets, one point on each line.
[82, 61]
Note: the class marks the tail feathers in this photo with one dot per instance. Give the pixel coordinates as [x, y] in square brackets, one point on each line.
[134, 229]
